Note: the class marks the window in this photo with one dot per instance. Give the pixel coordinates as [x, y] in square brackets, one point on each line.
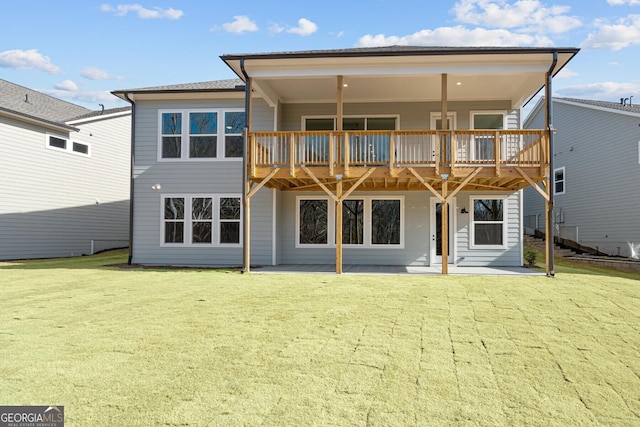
[366, 222]
[353, 222]
[364, 149]
[207, 134]
[69, 146]
[483, 144]
[488, 224]
[212, 220]
[385, 222]
[313, 223]
[80, 148]
[57, 143]
[559, 180]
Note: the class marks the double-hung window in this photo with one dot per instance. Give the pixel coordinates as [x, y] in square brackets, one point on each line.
[201, 134]
[559, 180]
[488, 225]
[366, 222]
[201, 220]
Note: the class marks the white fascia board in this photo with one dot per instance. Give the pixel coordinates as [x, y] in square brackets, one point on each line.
[99, 117]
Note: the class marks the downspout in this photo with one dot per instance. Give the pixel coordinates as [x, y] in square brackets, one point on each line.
[133, 146]
[549, 114]
[246, 238]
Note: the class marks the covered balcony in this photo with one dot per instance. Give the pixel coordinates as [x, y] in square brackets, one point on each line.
[417, 84]
[399, 160]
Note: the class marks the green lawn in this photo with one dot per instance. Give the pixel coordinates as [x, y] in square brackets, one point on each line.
[192, 347]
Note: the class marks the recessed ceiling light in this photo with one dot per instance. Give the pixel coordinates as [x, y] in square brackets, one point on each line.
[458, 83]
[345, 85]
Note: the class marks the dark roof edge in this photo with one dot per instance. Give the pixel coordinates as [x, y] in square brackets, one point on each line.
[38, 119]
[159, 91]
[347, 53]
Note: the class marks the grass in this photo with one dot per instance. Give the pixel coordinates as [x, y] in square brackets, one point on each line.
[193, 347]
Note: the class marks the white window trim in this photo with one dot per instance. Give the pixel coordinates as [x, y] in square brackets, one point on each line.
[69, 145]
[303, 119]
[564, 181]
[474, 113]
[331, 226]
[184, 135]
[188, 221]
[479, 112]
[472, 222]
[435, 115]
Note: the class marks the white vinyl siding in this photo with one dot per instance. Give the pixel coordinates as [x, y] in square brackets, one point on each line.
[56, 202]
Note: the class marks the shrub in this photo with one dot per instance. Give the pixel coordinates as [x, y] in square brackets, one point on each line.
[530, 256]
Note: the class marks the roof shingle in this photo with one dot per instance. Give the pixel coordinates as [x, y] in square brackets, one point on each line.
[31, 103]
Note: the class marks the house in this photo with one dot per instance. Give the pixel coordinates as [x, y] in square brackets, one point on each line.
[65, 176]
[596, 174]
[342, 156]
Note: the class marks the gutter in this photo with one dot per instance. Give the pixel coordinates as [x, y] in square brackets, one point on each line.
[549, 114]
[131, 181]
[246, 238]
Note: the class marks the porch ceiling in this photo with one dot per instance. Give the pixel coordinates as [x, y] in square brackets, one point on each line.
[509, 74]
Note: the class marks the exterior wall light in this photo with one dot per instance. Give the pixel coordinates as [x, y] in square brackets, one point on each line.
[156, 187]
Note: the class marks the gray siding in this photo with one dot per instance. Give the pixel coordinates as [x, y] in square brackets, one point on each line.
[183, 177]
[511, 255]
[417, 234]
[599, 151]
[55, 203]
[413, 116]
[224, 177]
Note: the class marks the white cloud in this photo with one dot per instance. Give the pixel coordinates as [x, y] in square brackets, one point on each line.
[241, 24]
[276, 29]
[566, 73]
[143, 13]
[304, 28]
[525, 15]
[624, 33]
[623, 2]
[611, 91]
[94, 73]
[456, 36]
[27, 60]
[67, 86]
[91, 97]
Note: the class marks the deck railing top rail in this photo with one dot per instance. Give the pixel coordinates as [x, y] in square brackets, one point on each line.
[438, 148]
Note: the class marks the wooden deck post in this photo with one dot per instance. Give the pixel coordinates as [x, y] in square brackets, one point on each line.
[339, 228]
[445, 228]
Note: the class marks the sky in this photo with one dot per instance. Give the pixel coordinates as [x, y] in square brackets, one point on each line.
[81, 50]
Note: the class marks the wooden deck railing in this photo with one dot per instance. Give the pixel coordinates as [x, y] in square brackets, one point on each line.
[437, 148]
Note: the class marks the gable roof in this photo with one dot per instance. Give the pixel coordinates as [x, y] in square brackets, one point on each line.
[31, 104]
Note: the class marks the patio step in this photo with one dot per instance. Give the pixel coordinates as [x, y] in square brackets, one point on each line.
[541, 246]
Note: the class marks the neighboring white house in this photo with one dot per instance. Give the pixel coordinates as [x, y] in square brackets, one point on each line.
[65, 174]
[596, 174]
[323, 157]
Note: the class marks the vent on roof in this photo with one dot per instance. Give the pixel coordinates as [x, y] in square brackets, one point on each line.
[623, 101]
